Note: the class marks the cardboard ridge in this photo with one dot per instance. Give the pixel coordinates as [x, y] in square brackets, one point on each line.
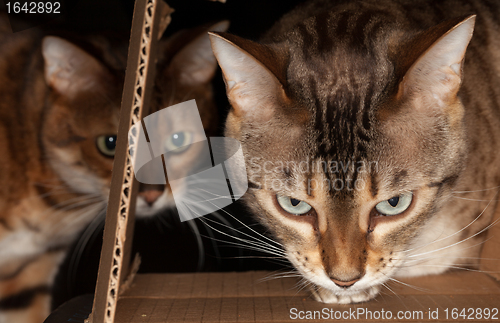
[118, 231]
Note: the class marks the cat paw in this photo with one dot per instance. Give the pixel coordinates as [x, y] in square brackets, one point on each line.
[329, 297]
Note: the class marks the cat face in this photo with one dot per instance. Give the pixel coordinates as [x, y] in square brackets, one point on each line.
[184, 73]
[349, 150]
[79, 126]
[79, 131]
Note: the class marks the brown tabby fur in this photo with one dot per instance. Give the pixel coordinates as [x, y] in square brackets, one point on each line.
[57, 98]
[384, 83]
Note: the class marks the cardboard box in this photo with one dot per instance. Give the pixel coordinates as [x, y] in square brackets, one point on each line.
[123, 297]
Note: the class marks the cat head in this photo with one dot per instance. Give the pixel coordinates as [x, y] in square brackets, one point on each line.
[350, 146]
[80, 126]
[184, 72]
[81, 119]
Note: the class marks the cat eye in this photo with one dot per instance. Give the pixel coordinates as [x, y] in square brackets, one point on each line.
[179, 141]
[395, 205]
[106, 145]
[293, 206]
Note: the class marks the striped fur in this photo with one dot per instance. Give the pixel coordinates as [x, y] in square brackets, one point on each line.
[54, 181]
[380, 85]
[57, 99]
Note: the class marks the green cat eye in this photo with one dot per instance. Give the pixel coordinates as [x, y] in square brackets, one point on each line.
[293, 206]
[179, 141]
[395, 205]
[106, 145]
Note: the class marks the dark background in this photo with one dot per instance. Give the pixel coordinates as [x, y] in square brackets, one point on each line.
[164, 243]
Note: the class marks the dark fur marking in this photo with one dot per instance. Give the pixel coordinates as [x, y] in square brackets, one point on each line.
[374, 184]
[47, 196]
[399, 177]
[254, 186]
[3, 223]
[54, 249]
[326, 42]
[450, 180]
[22, 299]
[30, 226]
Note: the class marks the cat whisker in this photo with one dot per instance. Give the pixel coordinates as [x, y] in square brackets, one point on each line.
[248, 227]
[211, 199]
[251, 245]
[262, 243]
[192, 194]
[281, 260]
[197, 190]
[461, 249]
[280, 274]
[483, 190]
[395, 294]
[459, 231]
[429, 258]
[255, 243]
[461, 241]
[80, 202]
[301, 285]
[76, 202]
[469, 199]
[457, 266]
[219, 217]
[409, 285]
[76, 220]
[252, 230]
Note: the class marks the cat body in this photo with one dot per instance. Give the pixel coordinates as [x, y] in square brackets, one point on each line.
[58, 121]
[371, 136]
[54, 180]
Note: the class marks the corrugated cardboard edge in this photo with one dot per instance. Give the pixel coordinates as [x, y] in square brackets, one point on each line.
[140, 74]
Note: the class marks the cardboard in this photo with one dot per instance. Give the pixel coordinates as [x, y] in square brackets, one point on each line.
[139, 78]
[251, 297]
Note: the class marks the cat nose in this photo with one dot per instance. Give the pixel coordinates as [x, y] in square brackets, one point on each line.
[151, 196]
[344, 284]
[150, 193]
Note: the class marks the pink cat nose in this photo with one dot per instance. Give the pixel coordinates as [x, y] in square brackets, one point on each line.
[344, 284]
[150, 196]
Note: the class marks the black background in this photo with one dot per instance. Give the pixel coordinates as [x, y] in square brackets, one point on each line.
[164, 243]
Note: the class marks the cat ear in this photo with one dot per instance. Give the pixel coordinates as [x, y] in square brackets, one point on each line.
[438, 70]
[252, 73]
[69, 69]
[195, 63]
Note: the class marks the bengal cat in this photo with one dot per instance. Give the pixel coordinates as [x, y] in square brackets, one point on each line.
[371, 132]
